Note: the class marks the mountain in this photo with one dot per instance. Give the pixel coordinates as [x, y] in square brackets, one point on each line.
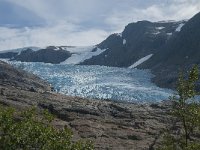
[122, 50]
[52, 54]
[180, 53]
[136, 41]
[165, 47]
[10, 54]
[47, 55]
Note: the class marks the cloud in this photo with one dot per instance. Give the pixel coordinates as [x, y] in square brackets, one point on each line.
[15, 15]
[61, 34]
[84, 22]
[95, 12]
[165, 10]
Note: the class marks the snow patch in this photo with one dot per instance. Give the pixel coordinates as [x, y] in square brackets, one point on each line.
[169, 34]
[160, 28]
[56, 48]
[80, 54]
[124, 41]
[155, 33]
[118, 34]
[140, 61]
[178, 29]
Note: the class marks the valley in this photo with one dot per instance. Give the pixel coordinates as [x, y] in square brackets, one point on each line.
[117, 125]
[172, 45]
[115, 92]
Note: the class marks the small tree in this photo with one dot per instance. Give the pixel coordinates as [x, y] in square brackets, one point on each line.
[28, 130]
[186, 108]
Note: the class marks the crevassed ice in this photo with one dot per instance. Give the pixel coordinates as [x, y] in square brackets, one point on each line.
[100, 82]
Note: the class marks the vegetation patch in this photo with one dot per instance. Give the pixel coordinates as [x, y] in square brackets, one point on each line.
[26, 130]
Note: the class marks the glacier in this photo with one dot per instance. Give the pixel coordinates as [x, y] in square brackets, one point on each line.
[80, 54]
[98, 82]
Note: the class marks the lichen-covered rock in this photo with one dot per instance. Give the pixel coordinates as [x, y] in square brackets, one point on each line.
[9, 76]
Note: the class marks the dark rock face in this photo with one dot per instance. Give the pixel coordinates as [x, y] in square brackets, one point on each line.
[48, 55]
[180, 53]
[136, 41]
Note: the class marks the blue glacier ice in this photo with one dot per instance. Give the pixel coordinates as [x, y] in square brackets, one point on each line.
[123, 84]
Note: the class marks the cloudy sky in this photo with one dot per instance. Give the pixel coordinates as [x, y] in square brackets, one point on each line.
[80, 22]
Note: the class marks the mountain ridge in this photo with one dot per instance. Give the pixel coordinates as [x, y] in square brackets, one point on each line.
[142, 38]
[115, 41]
[173, 45]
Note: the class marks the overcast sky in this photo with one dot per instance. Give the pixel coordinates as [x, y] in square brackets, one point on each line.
[80, 22]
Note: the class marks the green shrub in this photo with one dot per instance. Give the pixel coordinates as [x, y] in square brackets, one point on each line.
[29, 130]
[186, 108]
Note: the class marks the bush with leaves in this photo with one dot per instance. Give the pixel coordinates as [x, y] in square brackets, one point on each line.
[30, 130]
[186, 108]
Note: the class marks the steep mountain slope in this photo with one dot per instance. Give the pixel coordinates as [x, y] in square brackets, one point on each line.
[180, 53]
[136, 41]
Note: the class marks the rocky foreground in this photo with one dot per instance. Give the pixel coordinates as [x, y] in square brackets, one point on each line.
[111, 125]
